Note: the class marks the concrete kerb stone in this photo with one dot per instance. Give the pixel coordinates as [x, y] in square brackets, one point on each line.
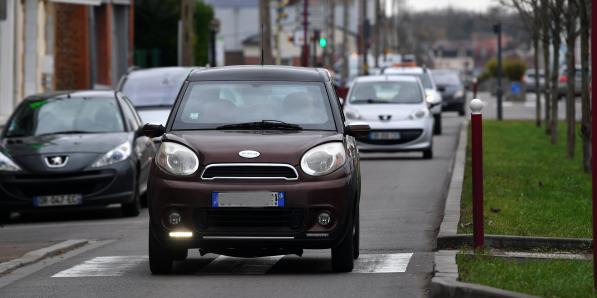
[448, 288]
[40, 254]
[516, 242]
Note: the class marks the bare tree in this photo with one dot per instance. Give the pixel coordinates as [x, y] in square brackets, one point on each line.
[571, 16]
[266, 32]
[545, 43]
[556, 29]
[585, 36]
[344, 48]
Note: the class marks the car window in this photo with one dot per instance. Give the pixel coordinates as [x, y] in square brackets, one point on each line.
[129, 113]
[207, 105]
[393, 92]
[66, 115]
[154, 88]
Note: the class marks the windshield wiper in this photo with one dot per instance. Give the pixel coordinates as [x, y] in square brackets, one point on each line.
[369, 100]
[263, 124]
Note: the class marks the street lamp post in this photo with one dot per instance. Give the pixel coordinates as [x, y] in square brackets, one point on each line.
[476, 107]
[497, 28]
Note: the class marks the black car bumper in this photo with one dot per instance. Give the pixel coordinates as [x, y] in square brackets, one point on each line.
[109, 185]
[451, 103]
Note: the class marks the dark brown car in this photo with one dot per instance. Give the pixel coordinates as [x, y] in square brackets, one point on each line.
[255, 161]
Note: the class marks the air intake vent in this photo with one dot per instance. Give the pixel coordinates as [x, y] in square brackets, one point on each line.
[249, 171]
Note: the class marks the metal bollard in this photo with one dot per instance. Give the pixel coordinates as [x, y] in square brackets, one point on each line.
[477, 156]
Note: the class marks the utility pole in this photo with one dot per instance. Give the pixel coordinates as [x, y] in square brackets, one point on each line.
[364, 34]
[376, 34]
[280, 15]
[497, 28]
[266, 33]
[345, 55]
[332, 34]
[305, 33]
[188, 32]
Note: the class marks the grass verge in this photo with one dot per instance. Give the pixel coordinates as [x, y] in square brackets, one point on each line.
[531, 188]
[546, 278]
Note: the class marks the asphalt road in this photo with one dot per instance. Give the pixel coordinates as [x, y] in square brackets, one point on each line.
[401, 210]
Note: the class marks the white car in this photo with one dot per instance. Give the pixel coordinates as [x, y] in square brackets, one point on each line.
[397, 112]
[433, 96]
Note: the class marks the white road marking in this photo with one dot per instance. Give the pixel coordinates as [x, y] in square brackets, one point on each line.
[225, 264]
[103, 266]
[382, 263]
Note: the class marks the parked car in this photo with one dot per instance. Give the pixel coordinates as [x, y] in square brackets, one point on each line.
[529, 79]
[563, 81]
[255, 161]
[452, 89]
[433, 96]
[396, 110]
[70, 149]
[153, 91]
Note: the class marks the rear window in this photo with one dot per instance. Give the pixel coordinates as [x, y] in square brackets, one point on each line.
[154, 88]
[392, 92]
[208, 105]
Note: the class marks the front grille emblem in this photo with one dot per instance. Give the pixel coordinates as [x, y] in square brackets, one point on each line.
[249, 154]
[57, 161]
[385, 117]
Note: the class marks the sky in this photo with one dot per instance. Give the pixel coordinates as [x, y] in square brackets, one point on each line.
[473, 5]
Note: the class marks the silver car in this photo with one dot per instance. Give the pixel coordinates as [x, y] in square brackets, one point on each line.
[397, 112]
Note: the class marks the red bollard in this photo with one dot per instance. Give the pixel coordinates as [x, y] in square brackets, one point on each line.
[477, 151]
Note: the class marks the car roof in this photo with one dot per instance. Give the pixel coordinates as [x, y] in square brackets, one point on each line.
[382, 78]
[78, 93]
[260, 73]
[409, 70]
[160, 70]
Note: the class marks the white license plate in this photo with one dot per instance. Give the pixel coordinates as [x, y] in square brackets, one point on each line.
[57, 200]
[247, 199]
[384, 135]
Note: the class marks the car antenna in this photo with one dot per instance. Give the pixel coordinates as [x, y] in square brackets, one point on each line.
[262, 51]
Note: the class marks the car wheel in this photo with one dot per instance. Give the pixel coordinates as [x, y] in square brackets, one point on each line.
[461, 110]
[343, 254]
[4, 216]
[437, 124]
[356, 235]
[133, 208]
[160, 258]
[180, 255]
[428, 153]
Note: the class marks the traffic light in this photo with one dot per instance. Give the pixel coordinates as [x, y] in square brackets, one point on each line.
[323, 42]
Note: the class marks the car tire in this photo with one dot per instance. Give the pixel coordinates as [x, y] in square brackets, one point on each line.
[461, 110]
[428, 153]
[343, 254]
[437, 124]
[133, 208]
[160, 258]
[356, 236]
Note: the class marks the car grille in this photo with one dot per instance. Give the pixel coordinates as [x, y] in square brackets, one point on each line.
[30, 185]
[250, 219]
[406, 135]
[250, 171]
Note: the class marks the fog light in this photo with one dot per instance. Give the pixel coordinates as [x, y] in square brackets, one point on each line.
[181, 234]
[174, 218]
[324, 219]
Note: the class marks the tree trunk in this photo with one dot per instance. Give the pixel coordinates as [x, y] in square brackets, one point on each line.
[586, 101]
[556, 41]
[545, 43]
[571, 73]
[537, 87]
[344, 48]
[266, 32]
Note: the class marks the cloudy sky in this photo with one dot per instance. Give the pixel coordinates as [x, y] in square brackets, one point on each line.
[474, 5]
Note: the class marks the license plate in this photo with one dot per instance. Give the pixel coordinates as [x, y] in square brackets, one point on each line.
[57, 200]
[247, 199]
[384, 135]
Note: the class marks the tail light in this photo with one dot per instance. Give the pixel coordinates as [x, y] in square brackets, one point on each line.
[563, 79]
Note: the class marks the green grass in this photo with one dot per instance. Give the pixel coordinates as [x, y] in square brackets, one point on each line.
[530, 185]
[546, 278]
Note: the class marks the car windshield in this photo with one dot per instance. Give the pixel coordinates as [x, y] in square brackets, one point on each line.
[159, 88]
[446, 78]
[386, 92]
[66, 115]
[211, 105]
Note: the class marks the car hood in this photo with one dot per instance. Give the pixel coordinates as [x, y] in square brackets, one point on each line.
[154, 115]
[376, 112]
[220, 146]
[64, 143]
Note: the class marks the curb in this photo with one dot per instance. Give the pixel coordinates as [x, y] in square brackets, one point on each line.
[40, 254]
[515, 242]
[447, 288]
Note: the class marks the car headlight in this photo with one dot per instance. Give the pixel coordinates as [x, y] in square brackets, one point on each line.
[352, 114]
[118, 154]
[7, 165]
[418, 114]
[177, 159]
[431, 97]
[323, 159]
[459, 93]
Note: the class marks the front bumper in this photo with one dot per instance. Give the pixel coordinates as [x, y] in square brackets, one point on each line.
[109, 185]
[451, 103]
[292, 226]
[415, 136]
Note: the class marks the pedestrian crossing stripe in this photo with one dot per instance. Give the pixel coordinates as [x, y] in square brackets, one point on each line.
[113, 266]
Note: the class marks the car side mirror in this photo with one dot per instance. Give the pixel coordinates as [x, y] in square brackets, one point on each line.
[153, 130]
[358, 129]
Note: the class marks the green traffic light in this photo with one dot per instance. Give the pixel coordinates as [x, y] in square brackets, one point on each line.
[323, 42]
